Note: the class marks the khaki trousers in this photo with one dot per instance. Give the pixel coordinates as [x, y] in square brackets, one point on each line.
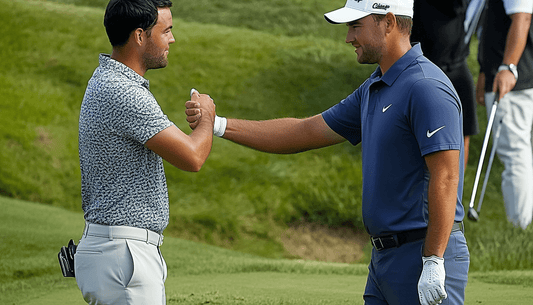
[115, 270]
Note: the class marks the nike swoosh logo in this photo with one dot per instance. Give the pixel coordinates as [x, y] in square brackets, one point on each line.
[386, 108]
[429, 134]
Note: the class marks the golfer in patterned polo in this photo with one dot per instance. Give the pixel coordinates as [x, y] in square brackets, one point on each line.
[123, 136]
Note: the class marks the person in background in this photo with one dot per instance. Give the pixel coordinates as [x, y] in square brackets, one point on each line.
[408, 119]
[439, 28]
[123, 136]
[506, 73]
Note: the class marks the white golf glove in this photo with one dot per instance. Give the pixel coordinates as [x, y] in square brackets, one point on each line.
[431, 283]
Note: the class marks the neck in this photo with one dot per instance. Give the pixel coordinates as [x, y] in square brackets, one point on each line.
[395, 50]
[130, 58]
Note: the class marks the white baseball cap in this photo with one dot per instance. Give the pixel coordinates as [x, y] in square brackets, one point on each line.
[357, 9]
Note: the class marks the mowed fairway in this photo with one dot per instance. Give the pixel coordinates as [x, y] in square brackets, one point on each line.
[198, 274]
[243, 288]
[276, 288]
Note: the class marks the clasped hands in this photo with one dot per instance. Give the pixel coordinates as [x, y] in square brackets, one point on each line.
[194, 111]
[197, 107]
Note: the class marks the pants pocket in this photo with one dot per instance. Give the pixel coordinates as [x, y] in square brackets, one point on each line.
[127, 266]
[103, 269]
[164, 265]
[461, 249]
[131, 271]
[146, 284]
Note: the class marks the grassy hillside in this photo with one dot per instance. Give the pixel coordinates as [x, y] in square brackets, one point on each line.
[240, 194]
[280, 17]
[258, 60]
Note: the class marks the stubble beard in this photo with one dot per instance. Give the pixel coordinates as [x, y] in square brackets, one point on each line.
[155, 62]
[153, 59]
[370, 55]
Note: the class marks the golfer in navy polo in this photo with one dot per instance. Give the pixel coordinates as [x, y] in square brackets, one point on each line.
[408, 118]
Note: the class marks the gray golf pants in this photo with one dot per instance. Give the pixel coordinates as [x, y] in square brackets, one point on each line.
[515, 151]
[116, 270]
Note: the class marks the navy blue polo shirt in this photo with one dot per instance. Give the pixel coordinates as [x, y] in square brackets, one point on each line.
[411, 111]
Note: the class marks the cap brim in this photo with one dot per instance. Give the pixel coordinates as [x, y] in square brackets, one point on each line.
[344, 15]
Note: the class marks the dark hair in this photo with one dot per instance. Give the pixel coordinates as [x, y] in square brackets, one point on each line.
[405, 23]
[124, 16]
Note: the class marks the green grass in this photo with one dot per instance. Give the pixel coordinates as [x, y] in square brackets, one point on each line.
[283, 76]
[279, 17]
[284, 61]
[31, 235]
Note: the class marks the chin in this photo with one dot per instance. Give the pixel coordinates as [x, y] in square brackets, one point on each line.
[159, 65]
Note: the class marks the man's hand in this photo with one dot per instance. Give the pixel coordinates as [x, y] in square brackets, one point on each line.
[194, 114]
[200, 105]
[431, 283]
[504, 81]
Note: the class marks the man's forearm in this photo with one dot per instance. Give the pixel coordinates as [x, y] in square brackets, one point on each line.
[273, 136]
[441, 217]
[442, 199]
[282, 136]
[186, 152]
[516, 38]
[202, 139]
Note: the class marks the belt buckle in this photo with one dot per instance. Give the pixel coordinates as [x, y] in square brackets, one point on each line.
[381, 246]
[458, 226]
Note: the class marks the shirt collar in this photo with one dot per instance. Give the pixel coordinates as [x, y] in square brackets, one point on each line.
[399, 66]
[108, 63]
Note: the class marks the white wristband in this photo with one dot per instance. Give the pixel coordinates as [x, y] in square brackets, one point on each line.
[219, 128]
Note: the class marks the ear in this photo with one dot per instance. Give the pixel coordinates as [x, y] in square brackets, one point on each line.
[390, 22]
[139, 36]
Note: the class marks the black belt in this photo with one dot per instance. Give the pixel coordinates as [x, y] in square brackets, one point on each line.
[396, 240]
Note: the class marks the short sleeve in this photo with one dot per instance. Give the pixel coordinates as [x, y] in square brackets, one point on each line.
[345, 118]
[436, 116]
[518, 6]
[140, 115]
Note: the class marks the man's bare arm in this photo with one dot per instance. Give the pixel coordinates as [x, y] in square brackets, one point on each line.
[279, 136]
[442, 199]
[282, 136]
[505, 81]
[187, 152]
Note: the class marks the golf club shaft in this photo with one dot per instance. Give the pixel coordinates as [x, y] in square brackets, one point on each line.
[483, 151]
[489, 166]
